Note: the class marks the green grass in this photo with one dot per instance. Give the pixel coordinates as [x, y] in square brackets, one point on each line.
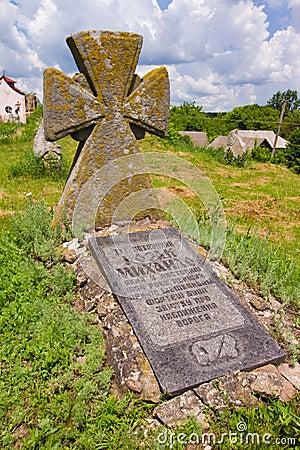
[261, 196]
[55, 386]
[261, 204]
[273, 425]
[23, 175]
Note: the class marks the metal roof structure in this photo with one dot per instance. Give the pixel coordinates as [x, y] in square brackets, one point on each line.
[239, 141]
[199, 138]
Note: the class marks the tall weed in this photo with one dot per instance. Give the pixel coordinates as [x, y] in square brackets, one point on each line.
[33, 232]
[8, 131]
[54, 383]
[31, 165]
[255, 260]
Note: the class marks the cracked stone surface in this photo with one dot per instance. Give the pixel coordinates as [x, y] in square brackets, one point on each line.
[236, 390]
[230, 390]
[128, 360]
[177, 410]
[291, 373]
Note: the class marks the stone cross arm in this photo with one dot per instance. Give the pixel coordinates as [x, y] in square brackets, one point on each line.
[105, 88]
[106, 107]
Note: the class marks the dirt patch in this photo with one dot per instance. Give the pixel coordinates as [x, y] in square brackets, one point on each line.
[262, 180]
[6, 213]
[253, 208]
[241, 185]
[270, 168]
[221, 171]
[249, 191]
[181, 191]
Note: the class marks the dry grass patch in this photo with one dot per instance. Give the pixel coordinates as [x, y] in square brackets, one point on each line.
[182, 191]
[255, 208]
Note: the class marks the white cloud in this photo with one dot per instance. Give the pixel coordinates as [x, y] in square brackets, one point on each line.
[218, 52]
[279, 59]
[293, 3]
[17, 55]
[44, 18]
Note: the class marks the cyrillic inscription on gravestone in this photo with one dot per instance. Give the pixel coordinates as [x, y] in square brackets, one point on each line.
[190, 325]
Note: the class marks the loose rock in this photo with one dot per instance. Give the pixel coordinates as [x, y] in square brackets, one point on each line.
[291, 373]
[176, 411]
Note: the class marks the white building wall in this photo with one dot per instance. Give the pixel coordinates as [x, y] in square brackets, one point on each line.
[10, 100]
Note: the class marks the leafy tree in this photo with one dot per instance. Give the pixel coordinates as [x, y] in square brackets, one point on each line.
[217, 125]
[253, 117]
[290, 123]
[292, 151]
[187, 116]
[291, 97]
[190, 117]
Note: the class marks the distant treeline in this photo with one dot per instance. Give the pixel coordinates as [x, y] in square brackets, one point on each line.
[191, 117]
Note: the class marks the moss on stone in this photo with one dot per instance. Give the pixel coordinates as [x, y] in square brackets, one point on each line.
[108, 61]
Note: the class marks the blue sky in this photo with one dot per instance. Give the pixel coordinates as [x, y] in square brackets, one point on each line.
[278, 16]
[219, 53]
[164, 3]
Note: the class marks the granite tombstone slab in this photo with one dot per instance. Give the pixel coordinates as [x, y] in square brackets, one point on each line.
[190, 325]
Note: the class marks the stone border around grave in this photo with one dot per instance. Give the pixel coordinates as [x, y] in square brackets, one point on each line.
[132, 371]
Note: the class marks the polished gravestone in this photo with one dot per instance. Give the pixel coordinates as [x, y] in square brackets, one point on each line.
[189, 324]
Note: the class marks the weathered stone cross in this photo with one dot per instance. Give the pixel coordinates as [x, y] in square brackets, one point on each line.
[105, 107]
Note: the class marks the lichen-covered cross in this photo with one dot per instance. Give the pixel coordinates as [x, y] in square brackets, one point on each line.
[105, 107]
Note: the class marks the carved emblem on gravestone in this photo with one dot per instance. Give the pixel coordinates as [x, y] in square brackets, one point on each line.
[214, 349]
[105, 107]
[191, 326]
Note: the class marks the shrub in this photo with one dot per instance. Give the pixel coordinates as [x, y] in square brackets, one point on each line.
[34, 166]
[227, 157]
[238, 161]
[217, 153]
[264, 155]
[187, 116]
[292, 152]
[33, 232]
